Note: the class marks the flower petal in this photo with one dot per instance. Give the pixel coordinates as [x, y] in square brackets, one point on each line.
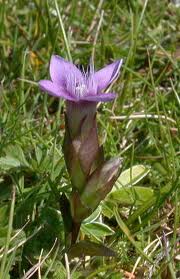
[54, 90]
[99, 97]
[60, 69]
[106, 75]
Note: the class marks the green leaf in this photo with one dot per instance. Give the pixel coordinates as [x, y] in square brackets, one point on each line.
[87, 248]
[96, 229]
[131, 195]
[131, 176]
[94, 216]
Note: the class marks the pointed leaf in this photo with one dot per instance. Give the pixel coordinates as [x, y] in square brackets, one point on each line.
[96, 230]
[131, 176]
[94, 216]
[87, 248]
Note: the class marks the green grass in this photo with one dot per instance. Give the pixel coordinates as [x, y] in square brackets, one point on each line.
[140, 221]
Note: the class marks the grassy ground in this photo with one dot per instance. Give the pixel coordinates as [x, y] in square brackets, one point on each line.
[140, 218]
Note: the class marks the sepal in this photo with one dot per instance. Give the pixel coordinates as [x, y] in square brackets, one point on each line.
[79, 210]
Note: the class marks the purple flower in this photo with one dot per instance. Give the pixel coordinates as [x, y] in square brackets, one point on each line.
[91, 176]
[68, 82]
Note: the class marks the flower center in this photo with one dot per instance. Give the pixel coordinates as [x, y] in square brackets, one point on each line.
[80, 90]
[80, 85]
[76, 86]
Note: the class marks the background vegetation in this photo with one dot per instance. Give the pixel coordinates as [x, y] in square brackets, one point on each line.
[139, 220]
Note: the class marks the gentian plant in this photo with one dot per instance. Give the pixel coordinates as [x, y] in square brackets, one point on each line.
[92, 177]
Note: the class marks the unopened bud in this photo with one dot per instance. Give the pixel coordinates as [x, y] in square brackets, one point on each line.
[100, 183]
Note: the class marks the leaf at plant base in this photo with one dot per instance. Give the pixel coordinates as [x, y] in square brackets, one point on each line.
[131, 195]
[87, 248]
[96, 230]
[131, 176]
[94, 216]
